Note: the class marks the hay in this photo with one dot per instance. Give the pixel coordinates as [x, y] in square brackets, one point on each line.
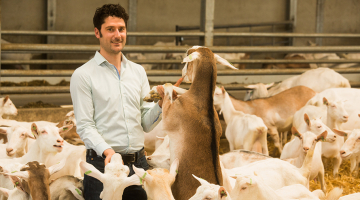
[344, 180]
[34, 83]
[39, 104]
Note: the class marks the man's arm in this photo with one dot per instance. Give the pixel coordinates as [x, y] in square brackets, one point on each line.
[150, 112]
[81, 95]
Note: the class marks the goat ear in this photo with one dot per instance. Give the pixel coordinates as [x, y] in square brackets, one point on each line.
[321, 137]
[193, 56]
[132, 180]
[222, 193]
[341, 132]
[307, 119]
[5, 191]
[223, 89]
[21, 174]
[325, 101]
[220, 60]
[3, 130]
[34, 130]
[17, 182]
[250, 86]
[90, 170]
[142, 174]
[66, 128]
[269, 85]
[6, 99]
[75, 191]
[55, 168]
[202, 181]
[295, 132]
[174, 167]
[29, 135]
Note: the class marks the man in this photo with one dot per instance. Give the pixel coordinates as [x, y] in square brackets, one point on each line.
[107, 94]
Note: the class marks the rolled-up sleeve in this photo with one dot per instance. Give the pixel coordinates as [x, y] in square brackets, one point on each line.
[81, 95]
[150, 112]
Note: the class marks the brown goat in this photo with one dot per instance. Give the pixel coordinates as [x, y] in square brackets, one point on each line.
[71, 136]
[37, 176]
[193, 125]
[277, 111]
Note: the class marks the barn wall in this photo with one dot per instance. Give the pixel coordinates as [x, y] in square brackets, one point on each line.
[159, 15]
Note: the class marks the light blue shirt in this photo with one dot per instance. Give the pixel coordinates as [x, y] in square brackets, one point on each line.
[109, 107]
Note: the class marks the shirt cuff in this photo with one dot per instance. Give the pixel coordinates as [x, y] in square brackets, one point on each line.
[100, 148]
[157, 109]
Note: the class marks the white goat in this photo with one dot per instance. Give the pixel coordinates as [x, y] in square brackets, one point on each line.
[318, 79]
[161, 157]
[209, 191]
[252, 187]
[115, 178]
[157, 182]
[48, 142]
[350, 96]
[317, 167]
[19, 140]
[67, 187]
[239, 158]
[243, 131]
[7, 107]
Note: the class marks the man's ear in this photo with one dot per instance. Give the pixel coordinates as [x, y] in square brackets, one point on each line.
[97, 33]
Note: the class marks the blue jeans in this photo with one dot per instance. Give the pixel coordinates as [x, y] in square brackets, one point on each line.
[93, 187]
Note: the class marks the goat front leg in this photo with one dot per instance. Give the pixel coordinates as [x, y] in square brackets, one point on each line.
[275, 137]
[337, 163]
[168, 91]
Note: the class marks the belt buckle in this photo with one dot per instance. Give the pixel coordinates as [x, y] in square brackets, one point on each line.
[134, 157]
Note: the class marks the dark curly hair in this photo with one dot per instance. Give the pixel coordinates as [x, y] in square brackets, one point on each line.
[114, 10]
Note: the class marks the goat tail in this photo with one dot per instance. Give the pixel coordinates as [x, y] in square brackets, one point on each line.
[334, 194]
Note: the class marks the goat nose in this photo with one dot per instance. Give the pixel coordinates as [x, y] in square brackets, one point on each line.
[342, 152]
[9, 150]
[148, 158]
[60, 141]
[335, 136]
[306, 148]
[346, 117]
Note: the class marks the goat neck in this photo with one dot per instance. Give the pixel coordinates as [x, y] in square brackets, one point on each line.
[203, 86]
[228, 109]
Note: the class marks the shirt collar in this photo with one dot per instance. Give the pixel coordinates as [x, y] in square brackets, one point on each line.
[100, 59]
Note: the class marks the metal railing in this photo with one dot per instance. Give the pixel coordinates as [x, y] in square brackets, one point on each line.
[250, 61]
[68, 48]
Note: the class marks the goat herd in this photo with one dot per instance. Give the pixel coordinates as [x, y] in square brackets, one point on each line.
[45, 160]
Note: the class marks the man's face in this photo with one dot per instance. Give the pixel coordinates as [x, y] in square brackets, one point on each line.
[113, 35]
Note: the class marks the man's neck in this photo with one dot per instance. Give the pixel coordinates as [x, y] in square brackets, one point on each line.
[114, 59]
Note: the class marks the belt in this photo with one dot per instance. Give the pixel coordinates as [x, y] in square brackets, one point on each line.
[127, 158]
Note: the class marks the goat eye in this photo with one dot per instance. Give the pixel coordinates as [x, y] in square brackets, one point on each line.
[243, 188]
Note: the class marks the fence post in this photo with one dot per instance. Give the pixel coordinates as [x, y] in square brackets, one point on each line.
[292, 17]
[207, 11]
[319, 19]
[51, 18]
[132, 21]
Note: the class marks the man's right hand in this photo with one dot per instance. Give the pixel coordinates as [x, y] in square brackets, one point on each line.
[108, 154]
